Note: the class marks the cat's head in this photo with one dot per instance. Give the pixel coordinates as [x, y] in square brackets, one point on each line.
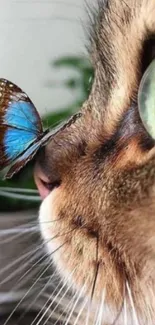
[97, 176]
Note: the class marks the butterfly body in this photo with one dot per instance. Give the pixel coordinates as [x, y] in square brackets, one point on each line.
[21, 131]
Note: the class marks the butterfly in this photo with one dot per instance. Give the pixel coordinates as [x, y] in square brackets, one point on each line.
[21, 130]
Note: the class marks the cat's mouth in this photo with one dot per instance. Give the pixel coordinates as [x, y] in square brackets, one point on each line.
[44, 185]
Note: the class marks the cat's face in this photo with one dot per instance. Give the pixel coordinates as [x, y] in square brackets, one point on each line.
[97, 176]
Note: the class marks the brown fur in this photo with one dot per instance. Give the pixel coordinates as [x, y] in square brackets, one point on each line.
[105, 162]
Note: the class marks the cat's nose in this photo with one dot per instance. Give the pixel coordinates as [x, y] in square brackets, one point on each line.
[47, 174]
[42, 181]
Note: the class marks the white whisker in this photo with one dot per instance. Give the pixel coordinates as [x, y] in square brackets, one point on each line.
[26, 255]
[38, 295]
[26, 294]
[67, 309]
[32, 267]
[49, 298]
[18, 260]
[125, 311]
[16, 272]
[80, 312]
[136, 322]
[88, 313]
[59, 292]
[20, 233]
[23, 277]
[75, 304]
[100, 314]
[22, 229]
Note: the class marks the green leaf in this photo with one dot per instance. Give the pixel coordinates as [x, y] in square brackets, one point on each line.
[78, 63]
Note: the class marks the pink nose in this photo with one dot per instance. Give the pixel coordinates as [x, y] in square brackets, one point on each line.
[42, 181]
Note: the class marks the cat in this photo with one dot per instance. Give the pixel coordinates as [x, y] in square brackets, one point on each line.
[97, 181]
[97, 177]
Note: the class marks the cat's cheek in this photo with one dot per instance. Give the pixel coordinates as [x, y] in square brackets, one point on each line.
[60, 243]
[52, 233]
[73, 252]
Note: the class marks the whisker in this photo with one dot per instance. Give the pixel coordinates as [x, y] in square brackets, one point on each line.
[88, 314]
[55, 308]
[38, 295]
[119, 312]
[125, 312]
[38, 261]
[100, 314]
[27, 254]
[55, 297]
[58, 304]
[136, 322]
[80, 312]
[46, 222]
[28, 291]
[76, 302]
[33, 223]
[97, 270]
[30, 269]
[11, 314]
[20, 228]
[66, 310]
[47, 277]
[49, 298]
[20, 259]
[18, 270]
[30, 232]
[94, 284]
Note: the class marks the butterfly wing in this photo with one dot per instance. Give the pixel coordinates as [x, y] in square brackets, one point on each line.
[16, 108]
[23, 160]
[20, 124]
[15, 142]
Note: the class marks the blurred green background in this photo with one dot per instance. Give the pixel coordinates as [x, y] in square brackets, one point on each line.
[81, 85]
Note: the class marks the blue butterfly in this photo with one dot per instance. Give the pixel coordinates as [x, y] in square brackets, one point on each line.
[21, 130]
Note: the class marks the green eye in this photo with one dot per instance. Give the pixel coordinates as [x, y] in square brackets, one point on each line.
[146, 99]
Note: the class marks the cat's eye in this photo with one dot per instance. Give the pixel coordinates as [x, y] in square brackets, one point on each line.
[146, 99]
